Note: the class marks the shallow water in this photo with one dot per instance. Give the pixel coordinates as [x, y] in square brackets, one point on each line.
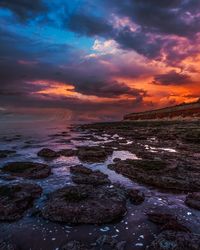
[35, 233]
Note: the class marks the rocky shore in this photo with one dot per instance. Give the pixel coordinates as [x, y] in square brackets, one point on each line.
[153, 158]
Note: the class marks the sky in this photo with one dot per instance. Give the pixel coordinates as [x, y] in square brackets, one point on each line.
[97, 60]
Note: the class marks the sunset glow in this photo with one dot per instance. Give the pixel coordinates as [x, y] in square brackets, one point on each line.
[88, 55]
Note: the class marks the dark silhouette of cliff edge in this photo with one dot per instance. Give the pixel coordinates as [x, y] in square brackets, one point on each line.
[181, 111]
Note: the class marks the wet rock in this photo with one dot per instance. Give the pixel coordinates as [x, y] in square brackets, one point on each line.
[156, 173]
[171, 240]
[30, 170]
[161, 218]
[193, 200]
[80, 169]
[6, 153]
[168, 221]
[15, 199]
[83, 175]
[68, 152]
[192, 136]
[47, 153]
[92, 154]
[175, 225]
[116, 159]
[136, 196]
[85, 204]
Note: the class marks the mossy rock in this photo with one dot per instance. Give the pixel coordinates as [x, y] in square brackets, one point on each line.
[75, 194]
[147, 165]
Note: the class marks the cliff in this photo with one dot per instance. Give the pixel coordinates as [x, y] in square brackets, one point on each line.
[185, 110]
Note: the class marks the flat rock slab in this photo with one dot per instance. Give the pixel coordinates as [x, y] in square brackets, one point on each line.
[15, 199]
[168, 221]
[48, 153]
[67, 152]
[136, 197]
[193, 200]
[171, 240]
[158, 174]
[30, 170]
[83, 175]
[85, 204]
[92, 154]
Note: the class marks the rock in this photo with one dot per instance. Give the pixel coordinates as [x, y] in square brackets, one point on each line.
[148, 165]
[7, 245]
[171, 240]
[116, 159]
[30, 170]
[174, 225]
[192, 136]
[161, 218]
[6, 153]
[47, 153]
[193, 200]
[85, 204]
[92, 154]
[80, 169]
[67, 152]
[136, 196]
[168, 221]
[83, 175]
[15, 199]
[156, 173]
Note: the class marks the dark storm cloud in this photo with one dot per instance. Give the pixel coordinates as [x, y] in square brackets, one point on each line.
[88, 25]
[25, 9]
[155, 21]
[140, 42]
[107, 89]
[89, 77]
[169, 16]
[172, 78]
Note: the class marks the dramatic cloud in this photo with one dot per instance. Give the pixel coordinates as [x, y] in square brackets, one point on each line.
[24, 9]
[98, 59]
[172, 78]
[89, 25]
[108, 89]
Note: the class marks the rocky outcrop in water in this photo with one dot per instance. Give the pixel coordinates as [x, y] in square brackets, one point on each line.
[67, 152]
[85, 204]
[31, 170]
[136, 196]
[93, 154]
[83, 175]
[193, 200]
[47, 153]
[156, 173]
[168, 221]
[15, 199]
